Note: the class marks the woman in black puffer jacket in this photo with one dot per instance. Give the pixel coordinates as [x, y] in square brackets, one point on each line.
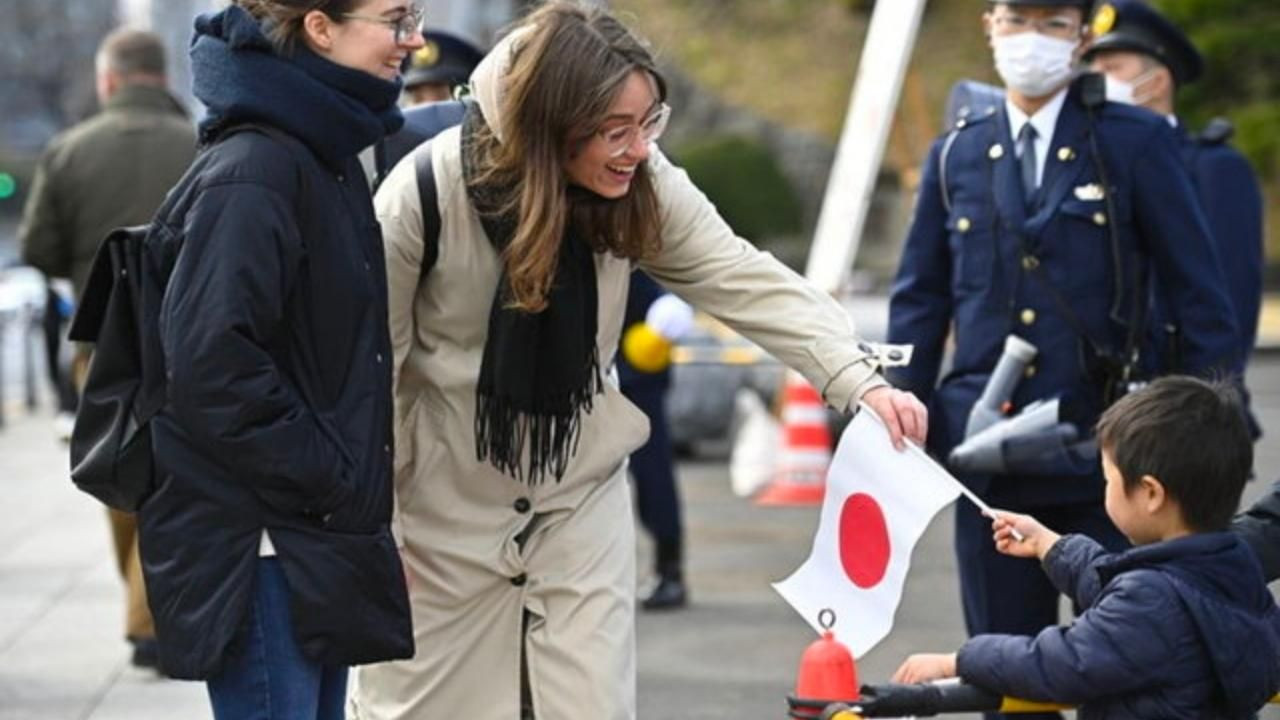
[266, 545]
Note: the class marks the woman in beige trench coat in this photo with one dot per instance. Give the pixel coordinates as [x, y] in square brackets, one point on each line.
[512, 501]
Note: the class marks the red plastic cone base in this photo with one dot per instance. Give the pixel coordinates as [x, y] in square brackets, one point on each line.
[786, 493]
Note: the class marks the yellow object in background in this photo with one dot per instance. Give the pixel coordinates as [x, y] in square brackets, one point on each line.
[646, 350]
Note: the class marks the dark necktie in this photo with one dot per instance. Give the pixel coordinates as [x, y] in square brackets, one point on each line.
[1027, 161]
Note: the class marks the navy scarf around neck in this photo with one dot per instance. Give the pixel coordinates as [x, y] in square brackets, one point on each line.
[335, 110]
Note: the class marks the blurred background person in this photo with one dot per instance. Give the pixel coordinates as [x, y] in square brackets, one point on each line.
[435, 71]
[439, 67]
[110, 171]
[58, 306]
[1147, 61]
[654, 319]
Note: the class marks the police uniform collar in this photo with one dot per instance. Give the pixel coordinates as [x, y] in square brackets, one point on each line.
[1044, 120]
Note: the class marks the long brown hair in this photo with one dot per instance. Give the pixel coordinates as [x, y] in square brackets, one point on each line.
[283, 18]
[564, 76]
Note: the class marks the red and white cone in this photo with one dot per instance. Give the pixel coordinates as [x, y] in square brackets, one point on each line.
[806, 447]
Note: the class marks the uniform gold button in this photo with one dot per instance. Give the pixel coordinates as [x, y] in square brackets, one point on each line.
[996, 152]
[1030, 372]
[963, 224]
[1028, 316]
[1066, 154]
[1100, 218]
[1030, 262]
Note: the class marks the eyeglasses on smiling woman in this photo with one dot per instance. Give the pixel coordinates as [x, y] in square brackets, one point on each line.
[617, 140]
[406, 26]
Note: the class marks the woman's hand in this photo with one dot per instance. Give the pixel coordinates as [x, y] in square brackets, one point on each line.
[1036, 538]
[925, 667]
[902, 413]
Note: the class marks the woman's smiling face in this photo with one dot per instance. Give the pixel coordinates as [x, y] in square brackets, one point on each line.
[366, 38]
[626, 131]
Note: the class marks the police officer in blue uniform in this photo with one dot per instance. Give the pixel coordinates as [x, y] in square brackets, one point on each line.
[1044, 215]
[653, 465]
[1147, 59]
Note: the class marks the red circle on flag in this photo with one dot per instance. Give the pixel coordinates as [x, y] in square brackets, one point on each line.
[864, 541]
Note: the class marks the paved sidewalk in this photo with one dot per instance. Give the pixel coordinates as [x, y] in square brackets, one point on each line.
[62, 650]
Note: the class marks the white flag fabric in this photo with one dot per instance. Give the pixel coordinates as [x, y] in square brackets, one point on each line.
[878, 502]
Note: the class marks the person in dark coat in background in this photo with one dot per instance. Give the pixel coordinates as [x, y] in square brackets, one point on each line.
[1180, 626]
[267, 545]
[1147, 60]
[110, 171]
[1260, 527]
[654, 318]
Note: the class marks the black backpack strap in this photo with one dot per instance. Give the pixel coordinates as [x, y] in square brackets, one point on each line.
[429, 199]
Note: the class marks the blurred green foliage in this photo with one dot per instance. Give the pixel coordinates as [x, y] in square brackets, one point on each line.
[1240, 41]
[745, 183]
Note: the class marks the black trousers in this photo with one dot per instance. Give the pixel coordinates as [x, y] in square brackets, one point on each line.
[653, 466]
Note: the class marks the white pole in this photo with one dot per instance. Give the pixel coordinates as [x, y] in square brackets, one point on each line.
[890, 38]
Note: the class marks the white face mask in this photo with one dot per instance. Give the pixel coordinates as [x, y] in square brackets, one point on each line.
[1034, 64]
[1126, 92]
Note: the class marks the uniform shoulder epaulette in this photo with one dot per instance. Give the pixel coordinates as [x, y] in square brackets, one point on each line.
[968, 116]
[1218, 131]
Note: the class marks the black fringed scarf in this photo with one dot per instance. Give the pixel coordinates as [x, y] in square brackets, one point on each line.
[540, 371]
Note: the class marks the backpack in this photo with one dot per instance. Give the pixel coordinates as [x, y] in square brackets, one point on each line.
[119, 312]
[422, 123]
[111, 440]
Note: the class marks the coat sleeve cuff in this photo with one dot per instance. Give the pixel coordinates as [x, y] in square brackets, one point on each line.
[1067, 564]
[851, 382]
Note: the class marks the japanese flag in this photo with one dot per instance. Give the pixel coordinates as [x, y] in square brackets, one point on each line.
[878, 502]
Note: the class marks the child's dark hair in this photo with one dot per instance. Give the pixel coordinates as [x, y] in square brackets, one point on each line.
[1190, 435]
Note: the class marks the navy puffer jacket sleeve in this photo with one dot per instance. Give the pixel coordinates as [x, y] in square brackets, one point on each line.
[1260, 527]
[1072, 567]
[1113, 648]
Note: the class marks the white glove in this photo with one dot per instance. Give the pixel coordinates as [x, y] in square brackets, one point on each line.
[670, 317]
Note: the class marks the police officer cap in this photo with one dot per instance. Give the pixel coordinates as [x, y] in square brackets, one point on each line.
[445, 59]
[1136, 27]
[1084, 5]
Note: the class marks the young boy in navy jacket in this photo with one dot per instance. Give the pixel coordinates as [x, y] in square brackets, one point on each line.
[1179, 626]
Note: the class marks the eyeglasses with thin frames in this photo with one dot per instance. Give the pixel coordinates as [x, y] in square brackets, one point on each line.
[620, 139]
[1057, 26]
[406, 26]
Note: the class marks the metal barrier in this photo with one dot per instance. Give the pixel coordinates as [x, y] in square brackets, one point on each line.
[920, 700]
[22, 300]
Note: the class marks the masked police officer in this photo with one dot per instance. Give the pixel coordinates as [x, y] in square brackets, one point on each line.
[1045, 215]
[1147, 59]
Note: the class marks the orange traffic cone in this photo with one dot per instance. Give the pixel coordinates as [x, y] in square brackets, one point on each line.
[827, 674]
[806, 447]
